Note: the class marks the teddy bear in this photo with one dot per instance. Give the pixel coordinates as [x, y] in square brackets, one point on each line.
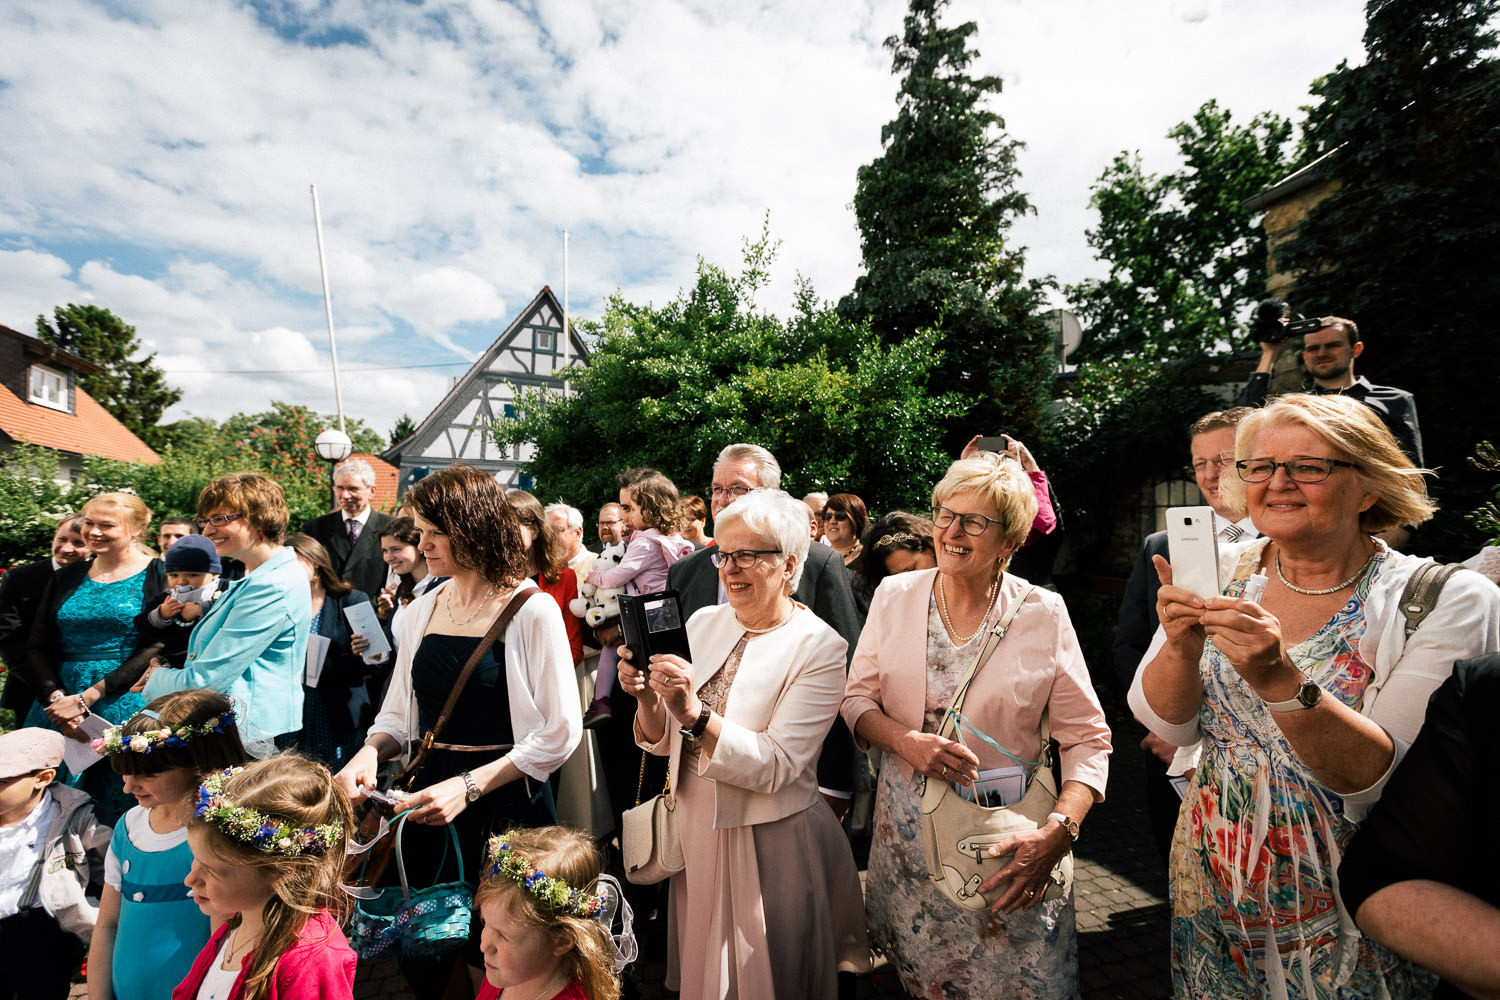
[597, 605]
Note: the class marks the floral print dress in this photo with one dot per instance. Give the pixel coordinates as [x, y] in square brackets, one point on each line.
[941, 950]
[1253, 880]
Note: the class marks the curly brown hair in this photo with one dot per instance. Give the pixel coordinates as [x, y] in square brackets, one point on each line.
[656, 497]
[258, 497]
[484, 533]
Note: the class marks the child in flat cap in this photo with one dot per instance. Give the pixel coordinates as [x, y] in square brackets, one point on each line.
[51, 867]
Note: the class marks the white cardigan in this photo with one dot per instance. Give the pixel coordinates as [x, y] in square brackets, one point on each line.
[545, 716]
[784, 699]
[1465, 623]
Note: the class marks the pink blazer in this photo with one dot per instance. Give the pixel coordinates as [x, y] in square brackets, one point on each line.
[1037, 666]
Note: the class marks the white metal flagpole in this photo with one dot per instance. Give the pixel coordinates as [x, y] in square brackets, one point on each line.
[333, 348]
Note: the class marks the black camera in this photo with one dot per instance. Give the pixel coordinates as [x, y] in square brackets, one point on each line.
[1267, 326]
[653, 623]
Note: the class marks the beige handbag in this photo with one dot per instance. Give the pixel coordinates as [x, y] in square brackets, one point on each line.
[957, 834]
[649, 844]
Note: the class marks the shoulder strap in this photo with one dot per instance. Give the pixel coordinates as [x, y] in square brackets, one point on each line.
[991, 641]
[1422, 591]
[494, 633]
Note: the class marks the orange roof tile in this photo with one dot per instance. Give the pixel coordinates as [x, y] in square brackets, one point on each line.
[90, 430]
[387, 476]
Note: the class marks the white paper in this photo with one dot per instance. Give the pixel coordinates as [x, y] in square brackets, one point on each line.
[80, 756]
[1001, 786]
[362, 621]
[317, 652]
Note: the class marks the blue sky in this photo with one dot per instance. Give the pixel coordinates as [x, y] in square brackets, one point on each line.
[158, 157]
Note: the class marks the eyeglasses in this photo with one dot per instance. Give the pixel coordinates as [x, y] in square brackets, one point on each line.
[743, 558]
[217, 520]
[1298, 470]
[972, 524]
[833, 515]
[733, 492]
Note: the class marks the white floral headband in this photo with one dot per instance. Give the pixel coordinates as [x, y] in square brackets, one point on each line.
[114, 741]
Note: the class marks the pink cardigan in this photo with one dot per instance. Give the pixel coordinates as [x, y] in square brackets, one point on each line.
[1037, 665]
[648, 553]
[319, 966]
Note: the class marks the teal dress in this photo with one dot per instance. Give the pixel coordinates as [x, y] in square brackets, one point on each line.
[96, 632]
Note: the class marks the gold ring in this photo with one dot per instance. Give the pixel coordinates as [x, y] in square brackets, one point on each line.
[1030, 893]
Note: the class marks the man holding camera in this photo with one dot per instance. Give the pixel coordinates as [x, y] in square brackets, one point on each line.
[1329, 346]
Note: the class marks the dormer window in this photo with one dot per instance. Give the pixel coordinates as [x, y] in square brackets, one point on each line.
[49, 388]
[546, 340]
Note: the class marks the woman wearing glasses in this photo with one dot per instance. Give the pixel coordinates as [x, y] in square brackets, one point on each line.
[844, 521]
[251, 643]
[925, 629]
[1304, 697]
[768, 904]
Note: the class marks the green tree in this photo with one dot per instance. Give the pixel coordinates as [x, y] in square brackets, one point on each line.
[405, 428]
[934, 212]
[1407, 242]
[133, 389]
[670, 386]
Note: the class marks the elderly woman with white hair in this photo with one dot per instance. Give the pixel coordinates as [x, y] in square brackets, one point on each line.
[925, 629]
[769, 901]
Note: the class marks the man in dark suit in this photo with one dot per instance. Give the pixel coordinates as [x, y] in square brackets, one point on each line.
[351, 534]
[824, 588]
[20, 595]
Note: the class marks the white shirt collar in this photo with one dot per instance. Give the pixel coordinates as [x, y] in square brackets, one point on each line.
[363, 517]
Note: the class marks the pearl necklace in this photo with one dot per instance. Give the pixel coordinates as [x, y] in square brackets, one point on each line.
[769, 628]
[448, 606]
[1326, 590]
[964, 640]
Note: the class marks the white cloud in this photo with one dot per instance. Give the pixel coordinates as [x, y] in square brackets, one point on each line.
[159, 164]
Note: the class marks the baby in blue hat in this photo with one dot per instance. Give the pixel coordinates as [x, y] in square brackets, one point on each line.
[193, 569]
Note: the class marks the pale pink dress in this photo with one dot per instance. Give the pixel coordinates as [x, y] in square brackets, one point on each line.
[766, 911]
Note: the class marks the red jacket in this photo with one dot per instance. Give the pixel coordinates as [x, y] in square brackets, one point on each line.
[319, 966]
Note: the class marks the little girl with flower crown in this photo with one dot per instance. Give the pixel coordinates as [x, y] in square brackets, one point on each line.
[268, 844]
[547, 919]
[149, 928]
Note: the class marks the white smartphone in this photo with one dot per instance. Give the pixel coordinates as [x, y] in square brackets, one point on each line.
[1193, 550]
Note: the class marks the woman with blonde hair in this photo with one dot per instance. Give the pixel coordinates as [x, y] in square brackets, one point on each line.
[926, 628]
[1305, 683]
[85, 652]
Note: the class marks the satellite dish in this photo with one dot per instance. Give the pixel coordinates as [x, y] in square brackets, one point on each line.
[1067, 331]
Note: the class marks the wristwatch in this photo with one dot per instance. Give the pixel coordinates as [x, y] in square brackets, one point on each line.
[1068, 823]
[698, 728]
[1308, 695]
[472, 786]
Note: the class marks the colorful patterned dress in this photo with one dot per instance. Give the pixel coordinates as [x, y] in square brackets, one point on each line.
[940, 950]
[1255, 907]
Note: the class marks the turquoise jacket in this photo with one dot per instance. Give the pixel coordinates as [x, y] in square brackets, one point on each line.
[251, 644]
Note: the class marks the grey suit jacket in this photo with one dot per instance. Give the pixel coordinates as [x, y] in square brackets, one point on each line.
[825, 589]
[360, 564]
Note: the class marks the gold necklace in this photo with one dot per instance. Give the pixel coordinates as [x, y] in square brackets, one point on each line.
[964, 640]
[448, 606]
[769, 628]
[232, 950]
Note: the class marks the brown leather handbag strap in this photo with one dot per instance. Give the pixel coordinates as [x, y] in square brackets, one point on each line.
[494, 633]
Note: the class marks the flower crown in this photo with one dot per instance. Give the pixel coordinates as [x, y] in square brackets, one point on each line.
[556, 893]
[114, 740]
[269, 834]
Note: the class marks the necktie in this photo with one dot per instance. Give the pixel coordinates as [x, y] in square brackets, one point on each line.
[1232, 533]
[353, 527]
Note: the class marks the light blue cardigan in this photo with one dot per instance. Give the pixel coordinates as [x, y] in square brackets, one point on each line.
[252, 645]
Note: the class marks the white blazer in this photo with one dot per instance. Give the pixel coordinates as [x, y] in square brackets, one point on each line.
[784, 699]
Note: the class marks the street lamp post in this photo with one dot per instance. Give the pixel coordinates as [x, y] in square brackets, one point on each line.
[333, 447]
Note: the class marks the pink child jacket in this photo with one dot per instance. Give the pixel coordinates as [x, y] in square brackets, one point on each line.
[319, 966]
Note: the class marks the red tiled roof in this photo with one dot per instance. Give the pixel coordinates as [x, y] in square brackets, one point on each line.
[89, 430]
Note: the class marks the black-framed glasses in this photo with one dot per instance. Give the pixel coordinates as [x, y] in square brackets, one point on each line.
[217, 520]
[972, 524]
[1298, 470]
[833, 515]
[733, 492]
[743, 558]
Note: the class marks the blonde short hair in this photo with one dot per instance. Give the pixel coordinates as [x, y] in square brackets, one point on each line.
[1002, 482]
[1347, 427]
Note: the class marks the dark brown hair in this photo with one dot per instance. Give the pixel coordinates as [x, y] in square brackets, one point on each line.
[848, 503]
[656, 497]
[258, 497]
[893, 531]
[310, 550]
[546, 559]
[203, 753]
[693, 508]
[484, 533]
[404, 530]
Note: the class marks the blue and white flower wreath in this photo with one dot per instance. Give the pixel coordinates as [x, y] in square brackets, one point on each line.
[269, 834]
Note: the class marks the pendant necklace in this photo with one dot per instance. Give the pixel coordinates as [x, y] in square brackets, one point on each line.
[1326, 590]
[448, 607]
